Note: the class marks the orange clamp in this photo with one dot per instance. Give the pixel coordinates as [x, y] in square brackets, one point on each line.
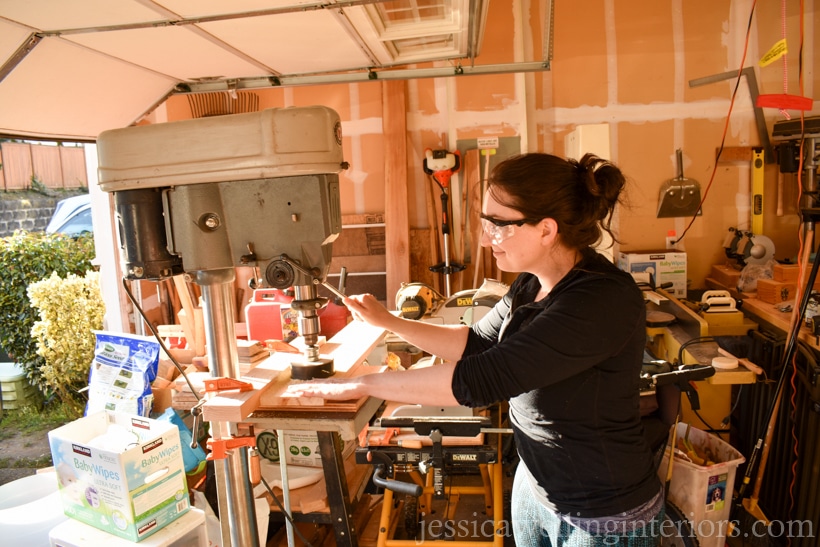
[384, 439]
[218, 448]
[223, 384]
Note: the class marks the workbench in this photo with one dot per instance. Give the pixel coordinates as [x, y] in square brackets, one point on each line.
[692, 332]
[771, 315]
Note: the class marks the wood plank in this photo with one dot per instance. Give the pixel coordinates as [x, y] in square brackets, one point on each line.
[360, 241]
[45, 161]
[420, 256]
[472, 179]
[348, 349]
[397, 231]
[73, 166]
[190, 316]
[359, 264]
[769, 313]
[17, 166]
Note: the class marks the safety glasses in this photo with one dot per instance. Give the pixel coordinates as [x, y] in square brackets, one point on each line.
[500, 230]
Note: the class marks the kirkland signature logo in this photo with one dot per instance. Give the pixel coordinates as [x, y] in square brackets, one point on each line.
[81, 450]
[152, 445]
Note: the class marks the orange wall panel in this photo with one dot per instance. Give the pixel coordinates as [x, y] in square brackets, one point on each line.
[491, 92]
[706, 27]
[645, 52]
[580, 64]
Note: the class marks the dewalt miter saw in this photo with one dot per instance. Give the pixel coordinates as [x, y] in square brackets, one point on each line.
[419, 301]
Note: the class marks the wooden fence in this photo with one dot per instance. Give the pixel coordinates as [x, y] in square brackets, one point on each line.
[53, 166]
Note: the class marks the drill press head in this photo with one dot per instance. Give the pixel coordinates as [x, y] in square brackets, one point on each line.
[254, 190]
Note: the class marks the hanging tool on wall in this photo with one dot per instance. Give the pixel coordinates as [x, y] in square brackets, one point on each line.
[441, 165]
[680, 196]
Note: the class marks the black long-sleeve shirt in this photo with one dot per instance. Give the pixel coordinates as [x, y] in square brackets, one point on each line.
[569, 365]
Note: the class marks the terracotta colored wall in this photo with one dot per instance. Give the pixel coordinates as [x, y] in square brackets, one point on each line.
[626, 63]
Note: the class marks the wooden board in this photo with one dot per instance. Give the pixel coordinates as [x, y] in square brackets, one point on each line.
[348, 349]
[397, 233]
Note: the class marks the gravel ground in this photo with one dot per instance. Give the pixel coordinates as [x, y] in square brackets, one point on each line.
[22, 455]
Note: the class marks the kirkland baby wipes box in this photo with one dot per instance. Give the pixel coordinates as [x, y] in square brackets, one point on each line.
[662, 266]
[120, 473]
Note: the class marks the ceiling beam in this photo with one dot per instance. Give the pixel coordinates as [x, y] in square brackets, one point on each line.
[360, 77]
[18, 56]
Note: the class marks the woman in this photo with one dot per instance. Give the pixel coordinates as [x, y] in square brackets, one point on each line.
[564, 346]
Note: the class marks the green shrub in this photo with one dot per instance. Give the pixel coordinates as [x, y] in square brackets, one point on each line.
[70, 310]
[25, 258]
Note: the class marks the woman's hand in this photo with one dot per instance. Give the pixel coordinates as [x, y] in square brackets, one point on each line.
[365, 307]
[338, 389]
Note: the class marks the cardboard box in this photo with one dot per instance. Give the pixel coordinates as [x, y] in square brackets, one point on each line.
[188, 531]
[662, 266]
[121, 473]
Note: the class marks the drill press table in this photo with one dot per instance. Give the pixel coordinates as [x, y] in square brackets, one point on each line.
[266, 408]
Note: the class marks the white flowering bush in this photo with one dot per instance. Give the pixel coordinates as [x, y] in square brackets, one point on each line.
[70, 309]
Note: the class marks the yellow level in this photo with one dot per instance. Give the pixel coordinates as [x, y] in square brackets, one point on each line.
[757, 191]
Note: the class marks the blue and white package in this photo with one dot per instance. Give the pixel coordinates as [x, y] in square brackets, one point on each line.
[191, 457]
[120, 377]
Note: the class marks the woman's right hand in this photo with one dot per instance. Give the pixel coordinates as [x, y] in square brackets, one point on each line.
[365, 307]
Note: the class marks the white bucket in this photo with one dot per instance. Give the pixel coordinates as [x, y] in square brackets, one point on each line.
[29, 508]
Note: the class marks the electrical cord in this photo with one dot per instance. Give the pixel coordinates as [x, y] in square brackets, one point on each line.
[728, 417]
[709, 428]
[683, 346]
[692, 341]
[158, 337]
[725, 126]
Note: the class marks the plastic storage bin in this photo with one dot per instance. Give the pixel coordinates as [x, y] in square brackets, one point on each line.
[704, 492]
[189, 530]
[15, 390]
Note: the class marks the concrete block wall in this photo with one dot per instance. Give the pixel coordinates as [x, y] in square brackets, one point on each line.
[25, 213]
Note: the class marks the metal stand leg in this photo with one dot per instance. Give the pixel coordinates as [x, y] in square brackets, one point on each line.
[338, 497]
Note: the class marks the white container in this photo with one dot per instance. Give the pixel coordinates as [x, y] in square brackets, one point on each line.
[121, 473]
[704, 492]
[29, 508]
[187, 531]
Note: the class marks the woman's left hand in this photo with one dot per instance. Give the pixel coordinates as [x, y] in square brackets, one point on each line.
[330, 388]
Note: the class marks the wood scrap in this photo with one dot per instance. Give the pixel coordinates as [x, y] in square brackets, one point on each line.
[472, 179]
[247, 349]
[190, 316]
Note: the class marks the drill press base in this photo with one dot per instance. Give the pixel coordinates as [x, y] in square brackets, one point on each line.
[308, 370]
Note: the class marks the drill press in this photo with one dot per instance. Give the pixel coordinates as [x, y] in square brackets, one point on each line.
[203, 197]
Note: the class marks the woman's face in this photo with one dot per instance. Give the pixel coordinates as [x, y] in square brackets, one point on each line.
[514, 247]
